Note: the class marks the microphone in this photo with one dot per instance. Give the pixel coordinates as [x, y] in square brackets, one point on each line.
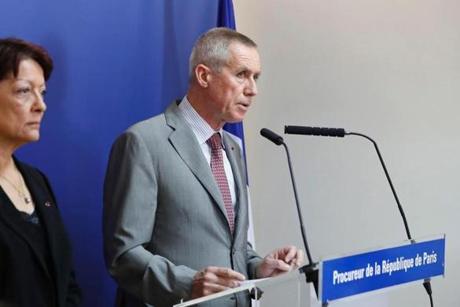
[336, 132]
[340, 132]
[310, 270]
[272, 136]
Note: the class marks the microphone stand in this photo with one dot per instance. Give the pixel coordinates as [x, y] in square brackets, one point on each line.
[310, 270]
[340, 132]
[426, 282]
[400, 208]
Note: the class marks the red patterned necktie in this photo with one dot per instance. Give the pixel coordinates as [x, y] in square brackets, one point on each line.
[217, 168]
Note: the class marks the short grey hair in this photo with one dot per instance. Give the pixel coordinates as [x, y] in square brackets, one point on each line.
[211, 48]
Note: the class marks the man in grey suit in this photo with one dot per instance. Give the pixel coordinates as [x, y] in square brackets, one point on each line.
[175, 220]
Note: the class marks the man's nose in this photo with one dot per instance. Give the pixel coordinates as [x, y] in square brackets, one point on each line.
[251, 88]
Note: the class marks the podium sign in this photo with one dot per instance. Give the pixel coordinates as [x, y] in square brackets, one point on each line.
[355, 274]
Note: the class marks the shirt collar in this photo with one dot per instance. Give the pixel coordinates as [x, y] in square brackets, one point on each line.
[201, 129]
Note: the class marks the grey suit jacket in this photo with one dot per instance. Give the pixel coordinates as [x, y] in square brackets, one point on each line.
[164, 218]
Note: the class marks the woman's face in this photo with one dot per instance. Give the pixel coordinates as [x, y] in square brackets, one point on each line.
[21, 104]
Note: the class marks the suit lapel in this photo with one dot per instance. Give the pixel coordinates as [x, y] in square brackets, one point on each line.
[234, 155]
[184, 142]
[13, 220]
[50, 221]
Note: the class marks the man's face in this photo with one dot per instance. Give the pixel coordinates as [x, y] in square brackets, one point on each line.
[232, 88]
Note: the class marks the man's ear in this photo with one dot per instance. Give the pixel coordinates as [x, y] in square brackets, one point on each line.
[202, 75]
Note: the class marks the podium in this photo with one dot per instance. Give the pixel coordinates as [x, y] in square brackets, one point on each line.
[336, 278]
[288, 289]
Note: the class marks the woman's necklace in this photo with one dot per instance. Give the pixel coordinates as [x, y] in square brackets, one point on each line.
[20, 190]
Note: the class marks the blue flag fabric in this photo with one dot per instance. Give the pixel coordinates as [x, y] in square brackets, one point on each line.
[226, 14]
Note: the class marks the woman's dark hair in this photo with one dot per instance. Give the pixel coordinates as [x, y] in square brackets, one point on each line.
[14, 50]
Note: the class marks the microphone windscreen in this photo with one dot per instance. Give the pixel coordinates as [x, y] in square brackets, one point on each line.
[334, 132]
[272, 136]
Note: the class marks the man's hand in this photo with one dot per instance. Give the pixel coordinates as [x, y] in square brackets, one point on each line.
[280, 261]
[214, 279]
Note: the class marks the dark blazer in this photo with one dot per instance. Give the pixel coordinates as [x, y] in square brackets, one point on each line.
[25, 279]
[164, 216]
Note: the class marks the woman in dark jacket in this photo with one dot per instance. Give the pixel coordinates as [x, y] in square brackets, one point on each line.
[35, 254]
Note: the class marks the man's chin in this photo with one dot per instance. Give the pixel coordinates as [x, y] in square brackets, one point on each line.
[237, 117]
[235, 120]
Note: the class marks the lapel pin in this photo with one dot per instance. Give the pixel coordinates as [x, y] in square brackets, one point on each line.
[47, 204]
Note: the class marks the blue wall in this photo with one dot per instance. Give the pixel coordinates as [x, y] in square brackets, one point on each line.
[116, 62]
